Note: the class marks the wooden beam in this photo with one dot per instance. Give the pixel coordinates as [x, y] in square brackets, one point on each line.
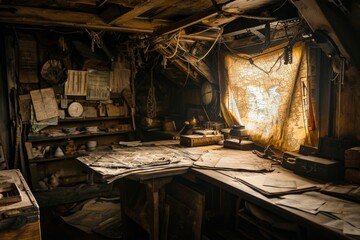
[140, 9]
[210, 12]
[277, 35]
[182, 66]
[51, 17]
[321, 15]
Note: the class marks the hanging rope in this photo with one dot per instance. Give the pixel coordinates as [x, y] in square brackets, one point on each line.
[95, 39]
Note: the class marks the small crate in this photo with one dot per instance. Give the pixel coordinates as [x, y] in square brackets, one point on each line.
[18, 219]
[308, 150]
[9, 193]
[352, 175]
[200, 140]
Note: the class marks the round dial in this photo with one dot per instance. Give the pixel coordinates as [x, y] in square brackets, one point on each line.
[75, 109]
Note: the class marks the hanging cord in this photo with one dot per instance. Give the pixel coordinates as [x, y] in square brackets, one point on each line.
[177, 46]
[212, 46]
[177, 37]
[151, 98]
[288, 47]
[102, 3]
[205, 30]
[187, 77]
[95, 39]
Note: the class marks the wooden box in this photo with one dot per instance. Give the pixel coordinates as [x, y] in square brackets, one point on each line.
[334, 148]
[289, 160]
[308, 150]
[352, 175]
[19, 214]
[352, 158]
[244, 145]
[200, 140]
[319, 168]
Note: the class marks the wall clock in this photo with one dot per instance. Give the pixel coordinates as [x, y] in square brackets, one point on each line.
[207, 93]
[75, 109]
[54, 72]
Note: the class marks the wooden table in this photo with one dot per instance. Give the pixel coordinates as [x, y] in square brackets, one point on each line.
[310, 221]
[146, 216]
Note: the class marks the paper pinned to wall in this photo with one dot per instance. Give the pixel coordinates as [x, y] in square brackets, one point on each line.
[44, 103]
[98, 85]
[28, 59]
[76, 83]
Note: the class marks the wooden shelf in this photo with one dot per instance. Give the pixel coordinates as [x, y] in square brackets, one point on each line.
[45, 138]
[51, 159]
[80, 119]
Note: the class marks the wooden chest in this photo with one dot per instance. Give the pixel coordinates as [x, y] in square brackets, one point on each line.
[200, 140]
[319, 168]
[19, 211]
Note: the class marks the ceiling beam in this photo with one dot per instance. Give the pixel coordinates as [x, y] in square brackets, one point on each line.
[51, 17]
[194, 19]
[184, 67]
[140, 9]
[322, 15]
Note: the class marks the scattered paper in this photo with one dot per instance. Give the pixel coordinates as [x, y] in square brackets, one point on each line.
[231, 159]
[93, 214]
[352, 218]
[302, 202]
[337, 224]
[120, 162]
[351, 208]
[343, 226]
[279, 183]
[256, 182]
[131, 143]
[332, 207]
[351, 230]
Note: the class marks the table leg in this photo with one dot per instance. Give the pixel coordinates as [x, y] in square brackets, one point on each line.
[153, 201]
[123, 197]
[152, 194]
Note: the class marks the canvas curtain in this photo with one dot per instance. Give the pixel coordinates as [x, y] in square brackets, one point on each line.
[270, 98]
